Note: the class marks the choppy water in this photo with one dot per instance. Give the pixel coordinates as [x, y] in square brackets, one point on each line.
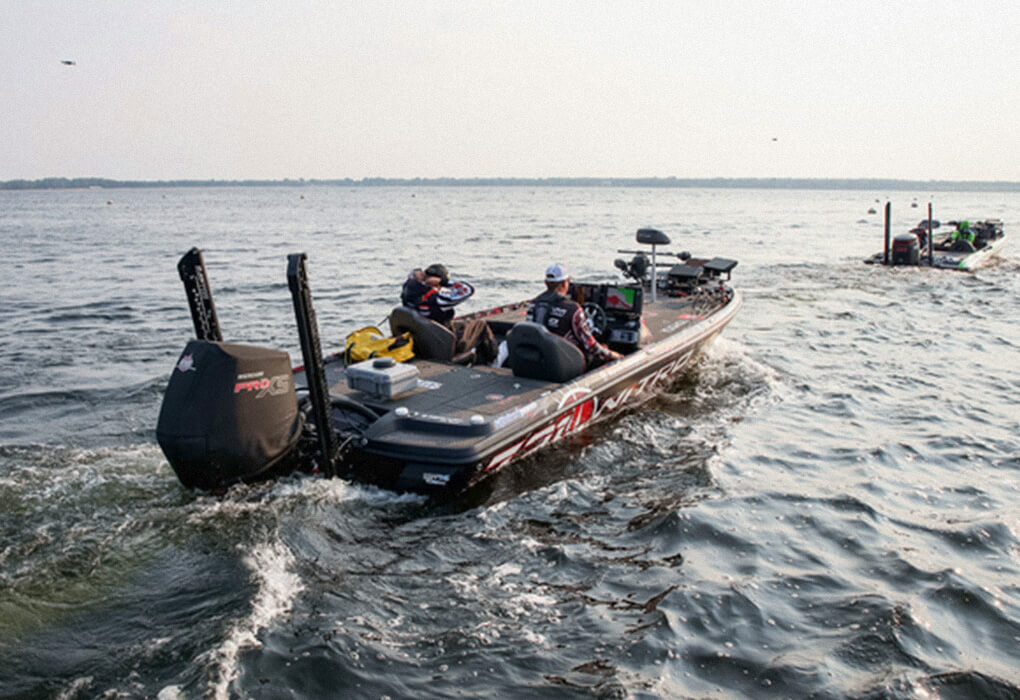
[826, 507]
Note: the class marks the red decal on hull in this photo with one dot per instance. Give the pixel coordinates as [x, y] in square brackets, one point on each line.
[587, 411]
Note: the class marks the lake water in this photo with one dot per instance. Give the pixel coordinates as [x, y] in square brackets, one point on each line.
[827, 506]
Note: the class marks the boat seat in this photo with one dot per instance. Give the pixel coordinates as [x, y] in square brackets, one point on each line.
[432, 341]
[536, 353]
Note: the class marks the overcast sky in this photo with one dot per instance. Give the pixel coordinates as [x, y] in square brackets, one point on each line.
[545, 88]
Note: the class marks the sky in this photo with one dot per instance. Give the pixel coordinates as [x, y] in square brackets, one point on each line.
[327, 89]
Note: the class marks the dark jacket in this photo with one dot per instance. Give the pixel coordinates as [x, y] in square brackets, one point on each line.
[566, 318]
[425, 300]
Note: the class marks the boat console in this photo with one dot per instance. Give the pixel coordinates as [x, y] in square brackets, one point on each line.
[613, 310]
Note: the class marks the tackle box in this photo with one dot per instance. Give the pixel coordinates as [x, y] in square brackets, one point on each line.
[382, 377]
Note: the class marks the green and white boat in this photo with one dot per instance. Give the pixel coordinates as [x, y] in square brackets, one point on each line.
[963, 246]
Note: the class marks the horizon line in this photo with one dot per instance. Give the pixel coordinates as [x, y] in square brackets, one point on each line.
[652, 181]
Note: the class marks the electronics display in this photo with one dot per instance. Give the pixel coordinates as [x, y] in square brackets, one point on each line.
[613, 310]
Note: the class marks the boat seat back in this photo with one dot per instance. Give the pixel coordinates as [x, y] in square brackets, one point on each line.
[432, 341]
[536, 353]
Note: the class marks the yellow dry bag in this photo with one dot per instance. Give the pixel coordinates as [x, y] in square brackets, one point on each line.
[368, 342]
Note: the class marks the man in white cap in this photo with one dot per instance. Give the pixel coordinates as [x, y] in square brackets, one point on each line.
[565, 317]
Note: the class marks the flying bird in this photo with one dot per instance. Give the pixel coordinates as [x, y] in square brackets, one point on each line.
[68, 63]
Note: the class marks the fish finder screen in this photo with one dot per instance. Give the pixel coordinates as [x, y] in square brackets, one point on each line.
[626, 299]
[620, 300]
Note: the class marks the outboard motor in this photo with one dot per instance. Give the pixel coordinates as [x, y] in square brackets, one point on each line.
[229, 414]
[906, 250]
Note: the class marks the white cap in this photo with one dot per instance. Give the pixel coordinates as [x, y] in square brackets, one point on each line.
[556, 273]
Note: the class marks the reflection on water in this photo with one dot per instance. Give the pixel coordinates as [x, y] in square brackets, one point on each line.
[824, 506]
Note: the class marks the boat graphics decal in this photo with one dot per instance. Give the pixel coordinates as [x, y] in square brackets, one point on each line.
[187, 364]
[587, 411]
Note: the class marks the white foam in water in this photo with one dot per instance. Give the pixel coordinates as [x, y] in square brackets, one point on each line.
[278, 587]
[49, 474]
[324, 490]
[79, 685]
[729, 360]
[245, 499]
[207, 508]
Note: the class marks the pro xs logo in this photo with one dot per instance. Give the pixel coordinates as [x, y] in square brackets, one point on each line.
[264, 386]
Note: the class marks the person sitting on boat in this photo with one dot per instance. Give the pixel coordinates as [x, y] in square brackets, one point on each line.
[922, 236]
[432, 294]
[565, 317]
[421, 293]
[963, 232]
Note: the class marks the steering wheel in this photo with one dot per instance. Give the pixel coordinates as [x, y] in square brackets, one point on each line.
[597, 319]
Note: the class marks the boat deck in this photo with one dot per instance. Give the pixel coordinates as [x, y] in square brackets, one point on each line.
[449, 390]
[459, 392]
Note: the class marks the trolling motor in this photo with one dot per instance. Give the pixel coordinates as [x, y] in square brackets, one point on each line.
[636, 269]
[682, 278]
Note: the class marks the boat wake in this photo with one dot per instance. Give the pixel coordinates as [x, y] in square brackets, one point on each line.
[271, 567]
[680, 428]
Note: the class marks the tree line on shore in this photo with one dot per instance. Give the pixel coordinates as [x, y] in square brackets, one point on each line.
[63, 183]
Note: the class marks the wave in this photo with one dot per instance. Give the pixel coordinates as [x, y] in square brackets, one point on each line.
[270, 564]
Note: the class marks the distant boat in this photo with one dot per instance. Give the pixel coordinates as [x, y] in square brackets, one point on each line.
[68, 63]
[914, 248]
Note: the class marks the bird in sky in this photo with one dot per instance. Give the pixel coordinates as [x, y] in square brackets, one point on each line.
[68, 63]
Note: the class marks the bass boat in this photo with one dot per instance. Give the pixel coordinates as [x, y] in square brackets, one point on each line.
[923, 246]
[433, 424]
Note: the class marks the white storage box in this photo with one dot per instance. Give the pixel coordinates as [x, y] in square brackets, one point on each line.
[382, 377]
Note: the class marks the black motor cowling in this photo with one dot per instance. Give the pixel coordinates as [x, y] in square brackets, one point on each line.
[229, 413]
[906, 250]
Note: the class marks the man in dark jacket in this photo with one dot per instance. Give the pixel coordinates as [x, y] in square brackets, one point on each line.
[431, 293]
[423, 292]
[565, 317]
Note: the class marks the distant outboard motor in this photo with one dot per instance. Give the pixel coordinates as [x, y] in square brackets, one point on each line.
[230, 413]
[906, 250]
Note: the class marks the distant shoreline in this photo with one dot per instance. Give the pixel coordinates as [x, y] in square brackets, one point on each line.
[61, 183]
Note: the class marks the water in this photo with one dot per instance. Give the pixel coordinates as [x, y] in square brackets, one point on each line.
[826, 507]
